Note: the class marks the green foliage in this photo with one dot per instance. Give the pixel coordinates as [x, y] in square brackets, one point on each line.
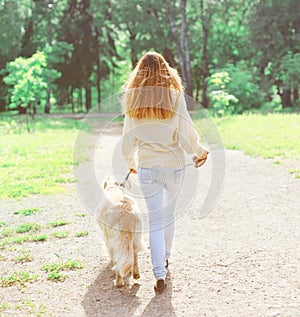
[234, 90]
[289, 70]
[29, 78]
[13, 16]
[56, 277]
[27, 227]
[54, 269]
[28, 211]
[91, 46]
[4, 306]
[244, 87]
[7, 232]
[24, 257]
[81, 234]
[19, 239]
[81, 215]
[270, 136]
[36, 163]
[222, 102]
[275, 36]
[37, 238]
[25, 75]
[58, 223]
[295, 172]
[60, 234]
[19, 278]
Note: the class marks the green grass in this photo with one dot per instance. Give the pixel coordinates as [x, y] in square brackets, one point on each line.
[27, 227]
[80, 215]
[23, 257]
[273, 136]
[57, 223]
[4, 306]
[27, 308]
[296, 173]
[28, 211]
[56, 277]
[54, 269]
[42, 162]
[60, 234]
[8, 232]
[81, 234]
[17, 278]
[20, 239]
[37, 238]
[39, 162]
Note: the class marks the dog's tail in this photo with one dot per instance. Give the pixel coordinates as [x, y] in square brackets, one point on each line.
[127, 222]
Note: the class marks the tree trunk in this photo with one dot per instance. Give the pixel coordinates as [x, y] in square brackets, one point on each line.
[295, 94]
[71, 100]
[133, 56]
[198, 86]
[88, 98]
[186, 49]
[80, 100]
[286, 98]
[205, 100]
[98, 84]
[98, 69]
[176, 40]
[47, 106]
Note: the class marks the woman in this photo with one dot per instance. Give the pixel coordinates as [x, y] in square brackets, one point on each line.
[157, 128]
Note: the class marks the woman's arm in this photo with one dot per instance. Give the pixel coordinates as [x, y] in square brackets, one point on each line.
[187, 134]
[129, 143]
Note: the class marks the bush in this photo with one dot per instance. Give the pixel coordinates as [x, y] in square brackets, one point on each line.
[222, 101]
[244, 86]
[236, 83]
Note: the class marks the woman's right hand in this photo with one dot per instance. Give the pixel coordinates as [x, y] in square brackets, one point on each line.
[199, 161]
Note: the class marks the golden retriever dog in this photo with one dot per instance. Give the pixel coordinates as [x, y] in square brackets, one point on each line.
[120, 221]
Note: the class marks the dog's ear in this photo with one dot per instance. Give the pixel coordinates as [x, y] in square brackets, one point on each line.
[105, 182]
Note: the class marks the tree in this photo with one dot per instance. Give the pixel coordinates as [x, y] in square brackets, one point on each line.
[27, 79]
[13, 16]
[180, 37]
[76, 30]
[276, 36]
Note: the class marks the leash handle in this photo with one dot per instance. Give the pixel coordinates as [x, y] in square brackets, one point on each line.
[123, 184]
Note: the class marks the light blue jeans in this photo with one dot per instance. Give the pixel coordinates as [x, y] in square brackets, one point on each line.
[160, 187]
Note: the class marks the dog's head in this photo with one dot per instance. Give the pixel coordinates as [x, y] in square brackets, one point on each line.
[110, 182]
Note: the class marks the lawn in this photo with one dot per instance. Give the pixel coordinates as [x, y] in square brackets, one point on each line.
[269, 136]
[273, 136]
[40, 162]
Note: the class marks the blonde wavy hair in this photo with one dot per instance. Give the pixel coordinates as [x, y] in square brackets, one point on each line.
[152, 89]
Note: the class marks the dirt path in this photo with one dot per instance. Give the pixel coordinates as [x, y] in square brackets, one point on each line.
[240, 260]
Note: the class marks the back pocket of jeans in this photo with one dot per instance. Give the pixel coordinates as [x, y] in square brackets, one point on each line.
[178, 176]
[147, 176]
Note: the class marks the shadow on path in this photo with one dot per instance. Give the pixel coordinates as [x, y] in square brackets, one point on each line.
[161, 304]
[103, 299]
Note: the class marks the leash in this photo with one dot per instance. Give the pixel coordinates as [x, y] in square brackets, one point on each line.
[200, 163]
[126, 178]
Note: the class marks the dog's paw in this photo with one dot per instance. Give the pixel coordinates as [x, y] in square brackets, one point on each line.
[119, 283]
[136, 275]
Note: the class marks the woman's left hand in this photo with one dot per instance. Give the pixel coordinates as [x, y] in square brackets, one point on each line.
[199, 161]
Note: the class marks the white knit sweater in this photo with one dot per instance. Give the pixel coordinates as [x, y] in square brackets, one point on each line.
[160, 142]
